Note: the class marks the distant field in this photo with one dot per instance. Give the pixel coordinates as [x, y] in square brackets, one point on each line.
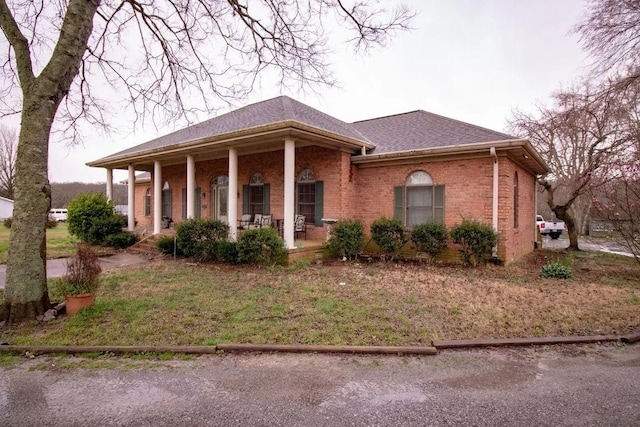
[59, 242]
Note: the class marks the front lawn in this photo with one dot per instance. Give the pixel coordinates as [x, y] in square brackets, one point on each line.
[176, 303]
[59, 242]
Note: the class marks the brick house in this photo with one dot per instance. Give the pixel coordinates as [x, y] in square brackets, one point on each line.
[284, 158]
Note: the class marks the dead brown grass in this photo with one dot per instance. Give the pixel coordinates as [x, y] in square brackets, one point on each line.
[172, 302]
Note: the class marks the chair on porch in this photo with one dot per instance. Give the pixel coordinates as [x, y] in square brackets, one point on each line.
[266, 221]
[244, 221]
[257, 222]
[300, 226]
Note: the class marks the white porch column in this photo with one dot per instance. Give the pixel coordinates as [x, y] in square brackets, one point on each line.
[289, 190]
[157, 197]
[131, 196]
[110, 184]
[233, 194]
[191, 187]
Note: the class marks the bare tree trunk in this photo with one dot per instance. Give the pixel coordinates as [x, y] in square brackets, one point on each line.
[27, 296]
[562, 213]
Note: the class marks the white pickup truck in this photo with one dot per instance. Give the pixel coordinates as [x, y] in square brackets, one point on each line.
[553, 228]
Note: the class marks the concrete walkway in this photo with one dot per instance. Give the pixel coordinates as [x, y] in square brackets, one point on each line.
[57, 267]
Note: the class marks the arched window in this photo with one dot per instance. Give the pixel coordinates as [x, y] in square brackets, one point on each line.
[146, 202]
[306, 195]
[419, 201]
[220, 180]
[516, 190]
[256, 179]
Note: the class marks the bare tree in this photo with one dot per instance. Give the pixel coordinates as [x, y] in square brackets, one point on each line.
[576, 136]
[8, 146]
[618, 202]
[157, 54]
[610, 32]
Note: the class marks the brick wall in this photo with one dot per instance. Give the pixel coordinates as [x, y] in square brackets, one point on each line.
[516, 241]
[468, 195]
[367, 193]
[327, 165]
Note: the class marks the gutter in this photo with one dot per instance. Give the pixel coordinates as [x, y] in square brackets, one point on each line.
[474, 148]
[494, 215]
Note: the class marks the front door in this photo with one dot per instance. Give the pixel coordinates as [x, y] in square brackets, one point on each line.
[220, 198]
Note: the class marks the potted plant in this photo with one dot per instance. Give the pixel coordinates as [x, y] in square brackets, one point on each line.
[82, 279]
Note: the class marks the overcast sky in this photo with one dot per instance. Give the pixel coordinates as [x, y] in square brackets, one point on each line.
[472, 60]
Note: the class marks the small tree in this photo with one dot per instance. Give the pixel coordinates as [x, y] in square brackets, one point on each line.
[430, 238]
[8, 151]
[476, 241]
[90, 215]
[390, 235]
[346, 238]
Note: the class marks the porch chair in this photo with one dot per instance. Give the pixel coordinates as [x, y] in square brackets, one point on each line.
[300, 226]
[266, 221]
[257, 222]
[244, 221]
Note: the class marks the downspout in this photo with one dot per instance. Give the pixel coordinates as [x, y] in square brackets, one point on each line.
[492, 152]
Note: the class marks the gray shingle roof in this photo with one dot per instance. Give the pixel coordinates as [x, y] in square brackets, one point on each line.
[400, 132]
[279, 109]
[420, 129]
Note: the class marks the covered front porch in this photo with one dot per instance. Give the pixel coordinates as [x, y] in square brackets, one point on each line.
[290, 185]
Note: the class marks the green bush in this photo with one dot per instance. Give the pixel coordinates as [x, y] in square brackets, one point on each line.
[261, 246]
[7, 222]
[390, 235]
[556, 270]
[86, 210]
[476, 240]
[346, 238]
[166, 245]
[198, 238]
[227, 252]
[430, 238]
[121, 240]
[103, 228]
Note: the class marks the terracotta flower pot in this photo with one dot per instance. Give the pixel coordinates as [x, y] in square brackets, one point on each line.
[77, 302]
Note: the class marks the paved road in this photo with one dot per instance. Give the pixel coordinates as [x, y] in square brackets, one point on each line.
[563, 386]
[587, 243]
[57, 267]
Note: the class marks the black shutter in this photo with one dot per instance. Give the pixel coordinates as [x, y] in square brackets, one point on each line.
[319, 208]
[198, 203]
[438, 204]
[398, 203]
[184, 203]
[245, 199]
[266, 206]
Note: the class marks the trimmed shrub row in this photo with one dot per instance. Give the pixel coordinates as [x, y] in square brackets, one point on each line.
[475, 239]
[207, 240]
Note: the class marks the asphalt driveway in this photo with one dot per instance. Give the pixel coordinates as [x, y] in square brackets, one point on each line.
[560, 386]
